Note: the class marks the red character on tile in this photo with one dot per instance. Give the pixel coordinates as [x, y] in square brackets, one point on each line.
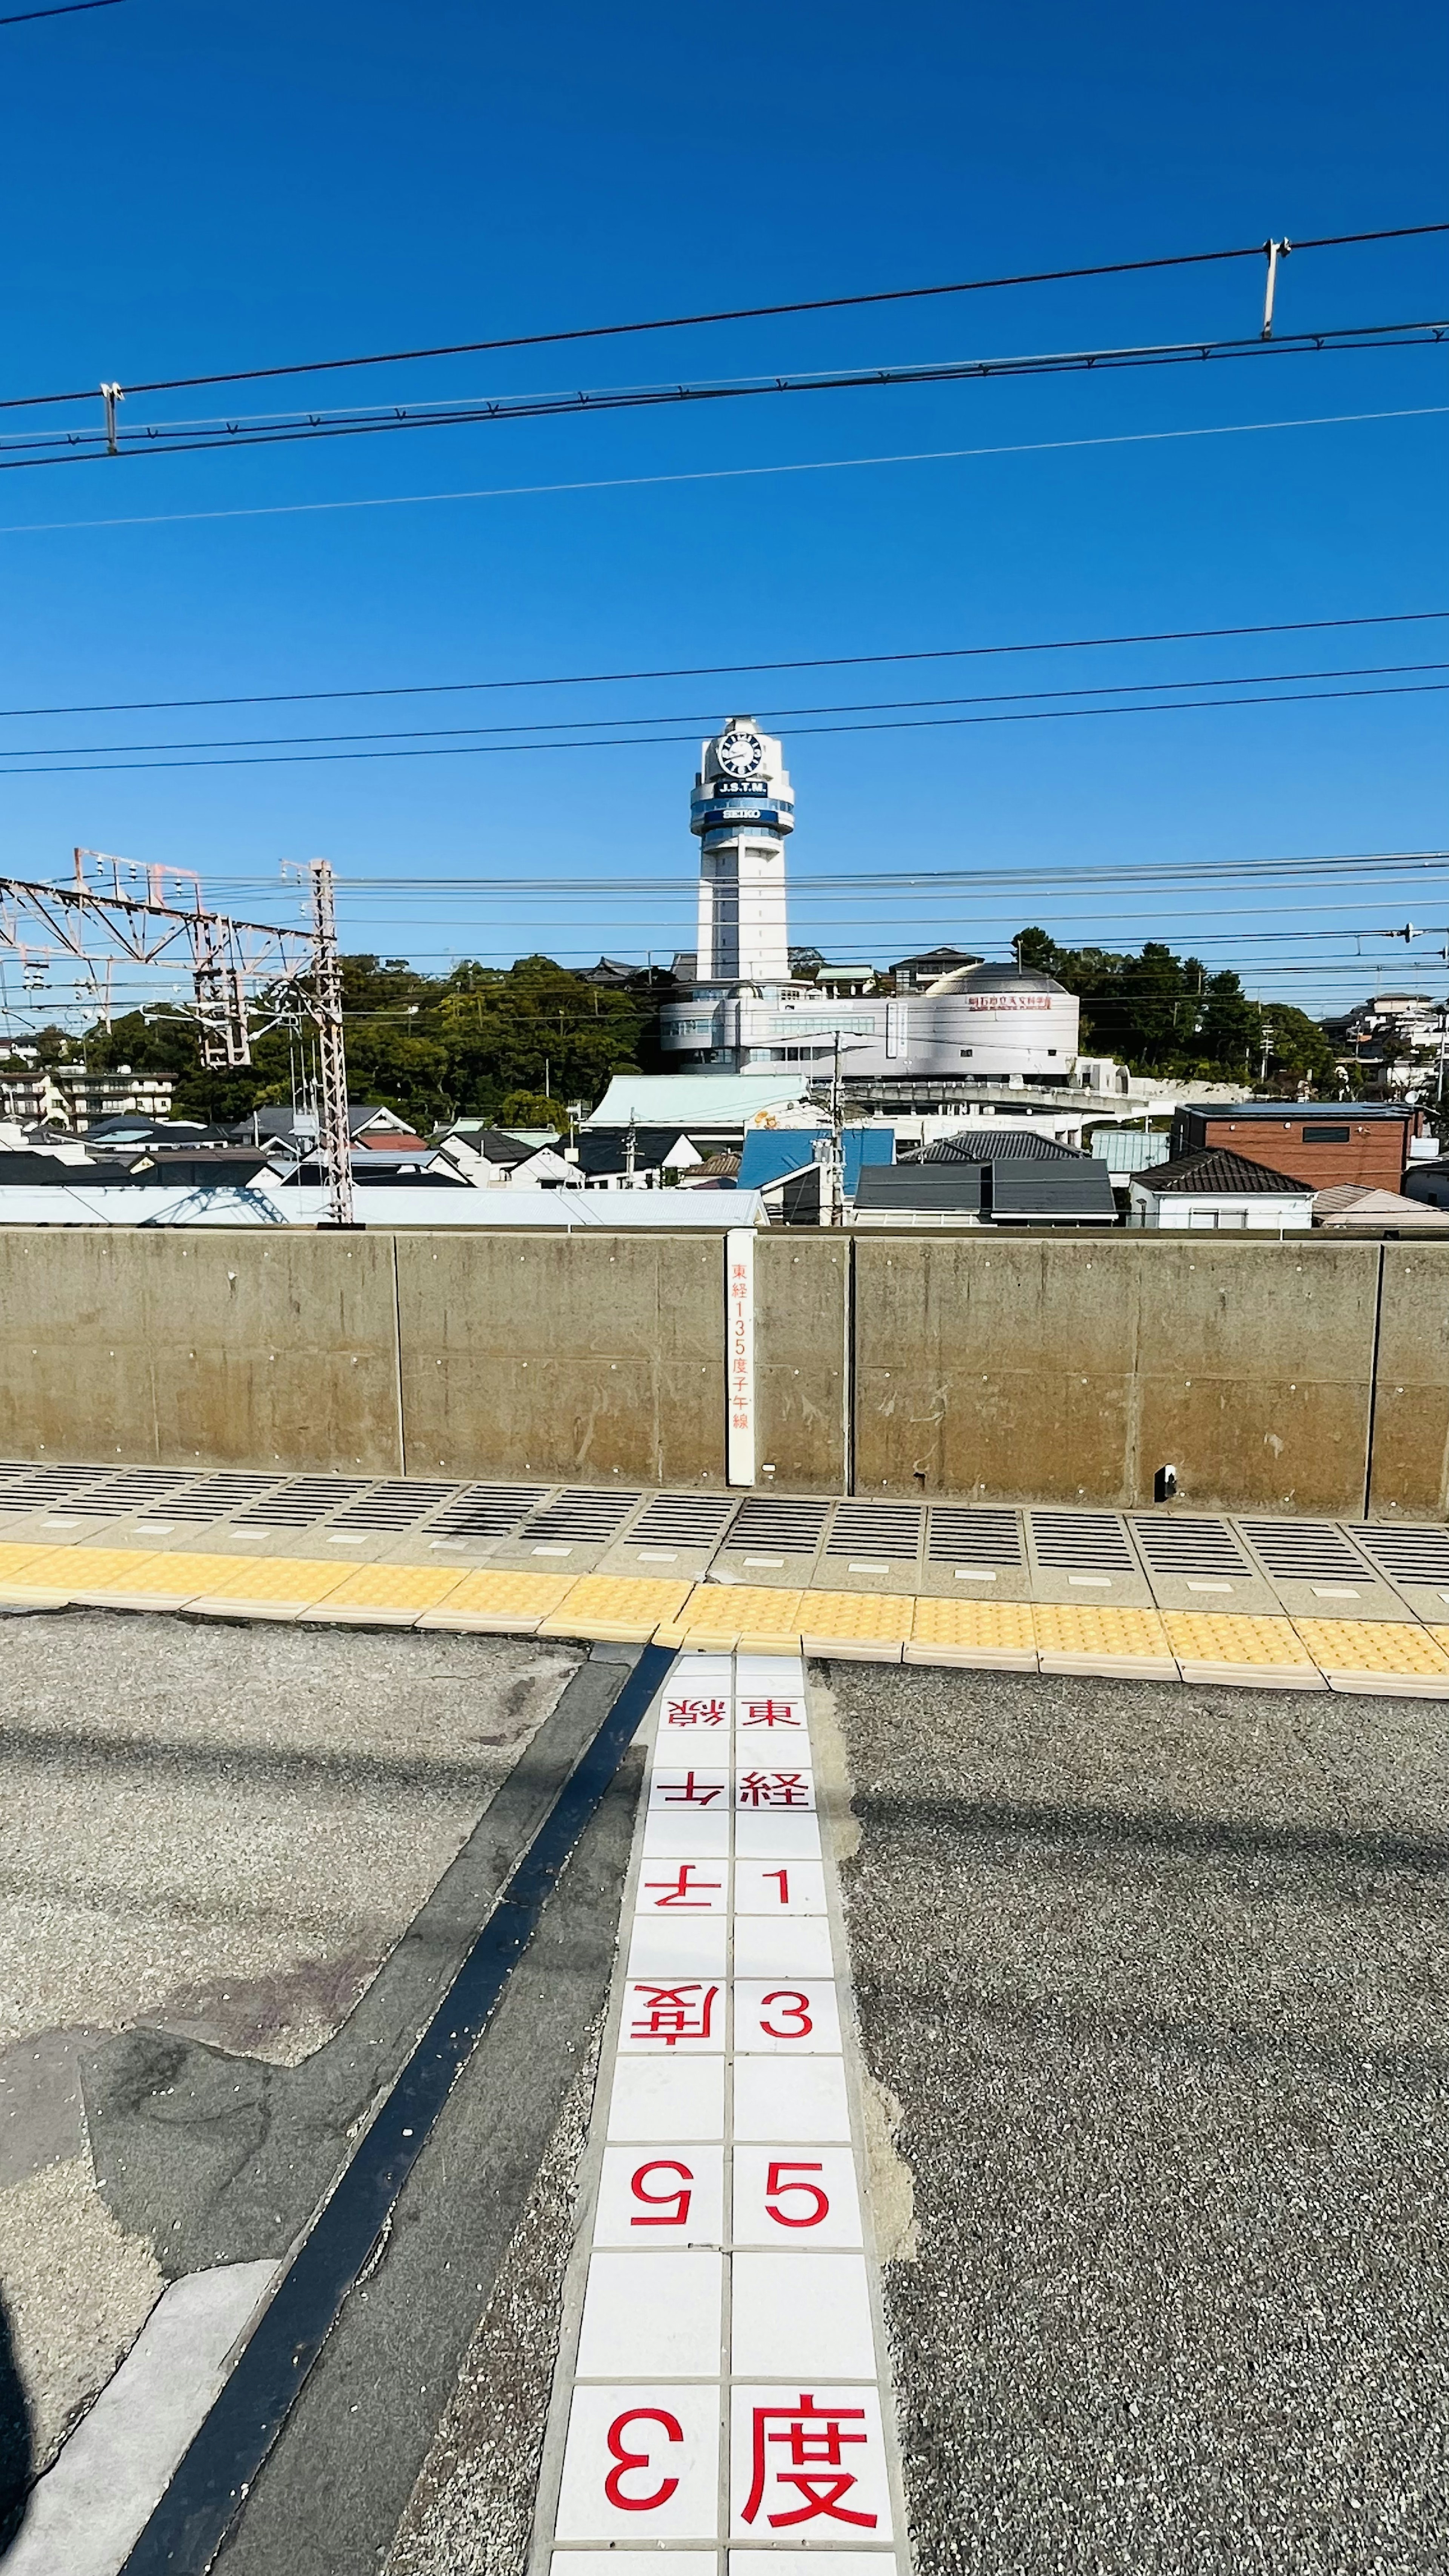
[696, 1712]
[688, 1891]
[774, 1789]
[814, 2441]
[672, 2013]
[689, 1792]
[672, 2430]
[770, 1712]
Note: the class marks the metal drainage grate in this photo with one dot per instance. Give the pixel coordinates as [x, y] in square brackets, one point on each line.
[684, 1520]
[395, 1506]
[215, 1496]
[49, 1485]
[777, 1521]
[301, 1500]
[961, 1536]
[1081, 1542]
[875, 1529]
[1187, 1546]
[1407, 1555]
[487, 1511]
[582, 1515]
[1304, 1551]
[131, 1492]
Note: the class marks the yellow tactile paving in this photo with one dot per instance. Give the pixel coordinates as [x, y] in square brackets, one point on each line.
[1073, 1638]
[724, 1614]
[1355, 1654]
[499, 1603]
[628, 1607]
[1234, 1636]
[390, 1592]
[83, 1573]
[280, 1579]
[1360, 1651]
[13, 1557]
[874, 1625]
[1237, 1642]
[983, 1633]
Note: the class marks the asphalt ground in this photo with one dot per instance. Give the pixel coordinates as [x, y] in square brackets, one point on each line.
[1151, 1986]
[1156, 1978]
[237, 1864]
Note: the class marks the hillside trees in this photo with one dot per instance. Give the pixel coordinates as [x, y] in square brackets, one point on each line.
[430, 1047]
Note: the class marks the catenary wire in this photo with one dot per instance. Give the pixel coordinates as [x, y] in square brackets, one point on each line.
[738, 313]
[744, 670]
[88, 447]
[714, 473]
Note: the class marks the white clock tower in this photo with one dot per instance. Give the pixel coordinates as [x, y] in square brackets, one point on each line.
[742, 809]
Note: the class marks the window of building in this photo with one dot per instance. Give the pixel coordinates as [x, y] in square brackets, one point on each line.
[1325, 1135]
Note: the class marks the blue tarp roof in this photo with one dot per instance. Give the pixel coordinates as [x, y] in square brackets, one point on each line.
[772, 1153]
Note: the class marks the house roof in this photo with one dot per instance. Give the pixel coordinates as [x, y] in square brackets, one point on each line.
[1288, 1113]
[1350, 1204]
[939, 959]
[954, 1186]
[1079, 1188]
[988, 1142]
[1214, 1172]
[687, 1102]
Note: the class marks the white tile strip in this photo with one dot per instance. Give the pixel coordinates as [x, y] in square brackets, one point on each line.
[724, 2396]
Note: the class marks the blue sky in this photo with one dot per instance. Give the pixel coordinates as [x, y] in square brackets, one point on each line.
[192, 188]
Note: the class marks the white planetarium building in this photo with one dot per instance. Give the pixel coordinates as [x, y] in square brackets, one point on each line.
[980, 1024]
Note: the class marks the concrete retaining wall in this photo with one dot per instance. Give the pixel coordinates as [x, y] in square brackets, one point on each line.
[1307, 1376]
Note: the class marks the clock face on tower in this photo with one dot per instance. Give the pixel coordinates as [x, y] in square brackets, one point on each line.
[740, 752]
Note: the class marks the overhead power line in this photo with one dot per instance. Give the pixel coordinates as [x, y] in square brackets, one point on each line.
[112, 438]
[66, 9]
[770, 715]
[735, 313]
[62, 767]
[744, 670]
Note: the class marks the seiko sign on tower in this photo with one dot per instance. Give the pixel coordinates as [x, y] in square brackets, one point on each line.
[741, 809]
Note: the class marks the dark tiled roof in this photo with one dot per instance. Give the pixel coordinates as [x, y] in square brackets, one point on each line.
[988, 1141]
[1080, 1188]
[952, 1186]
[1215, 1171]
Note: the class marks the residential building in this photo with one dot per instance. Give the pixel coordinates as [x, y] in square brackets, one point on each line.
[1349, 1209]
[1428, 1183]
[66, 1095]
[1317, 1142]
[917, 974]
[493, 1159]
[1395, 1041]
[1028, 1189]
[1211, 1190]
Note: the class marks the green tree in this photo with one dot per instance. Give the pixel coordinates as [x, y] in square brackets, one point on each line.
[1160, 1013]
[533, 1109]
[429, 1047]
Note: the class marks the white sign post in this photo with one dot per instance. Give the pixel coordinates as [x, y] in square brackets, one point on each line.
[740, 1357]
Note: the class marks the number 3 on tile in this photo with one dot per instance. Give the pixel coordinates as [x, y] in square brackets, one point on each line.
[628, 2461]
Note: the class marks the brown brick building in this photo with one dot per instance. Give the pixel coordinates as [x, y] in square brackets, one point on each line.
[1318, 1142]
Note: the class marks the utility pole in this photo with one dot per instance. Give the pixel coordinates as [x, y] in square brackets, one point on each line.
[334, 1136]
